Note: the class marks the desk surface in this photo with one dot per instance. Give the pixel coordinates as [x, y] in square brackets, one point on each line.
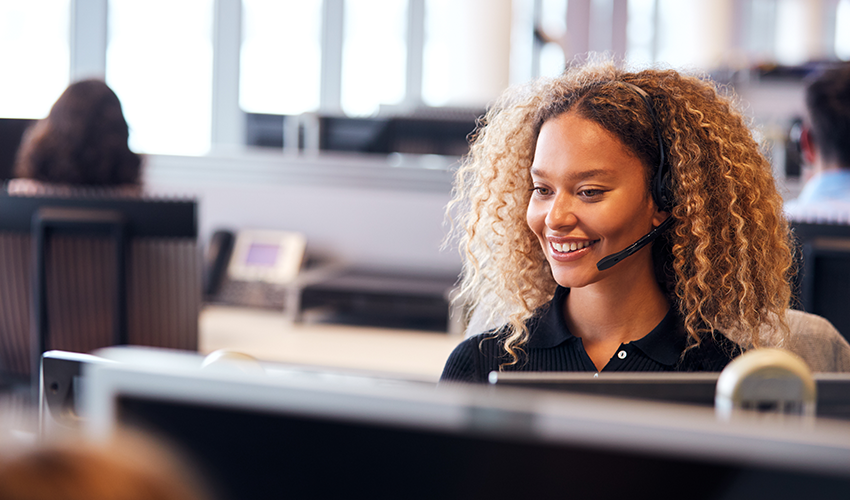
[269, 336]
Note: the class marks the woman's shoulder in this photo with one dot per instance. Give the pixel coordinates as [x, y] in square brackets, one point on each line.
[471, 359]
[486, 343]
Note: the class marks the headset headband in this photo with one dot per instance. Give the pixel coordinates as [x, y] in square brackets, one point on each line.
[661, 190]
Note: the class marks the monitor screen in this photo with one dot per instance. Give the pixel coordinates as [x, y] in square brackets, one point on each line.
[262, 437]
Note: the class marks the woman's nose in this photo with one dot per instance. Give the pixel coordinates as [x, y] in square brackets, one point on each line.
[561, 214]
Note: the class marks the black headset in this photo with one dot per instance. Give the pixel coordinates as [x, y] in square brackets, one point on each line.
[661, 190]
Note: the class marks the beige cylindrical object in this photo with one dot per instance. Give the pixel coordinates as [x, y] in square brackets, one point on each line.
[766, 381]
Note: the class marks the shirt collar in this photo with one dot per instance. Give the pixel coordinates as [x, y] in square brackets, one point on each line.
[666, 342]
[550, 328]
[663, 344]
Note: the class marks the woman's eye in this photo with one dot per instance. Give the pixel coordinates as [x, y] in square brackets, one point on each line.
[590, 193]
[542, 191]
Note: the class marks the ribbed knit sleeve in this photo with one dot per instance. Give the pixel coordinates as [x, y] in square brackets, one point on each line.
[461, 364]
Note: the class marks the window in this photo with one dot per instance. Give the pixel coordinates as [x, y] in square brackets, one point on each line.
[281, 56]
[465, 59]
[34, 55]
[678, 43]
[159, 62]
[842, 30]
[553, 20]
[640, 32]
[791, 16]
[374, 55]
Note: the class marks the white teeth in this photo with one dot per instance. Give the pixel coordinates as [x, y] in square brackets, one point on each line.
[570, 247]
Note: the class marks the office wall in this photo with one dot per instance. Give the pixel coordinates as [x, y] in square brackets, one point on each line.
[370, 211]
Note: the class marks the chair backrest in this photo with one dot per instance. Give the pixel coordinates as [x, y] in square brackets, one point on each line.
[823, 280]
[817, 342]
[161, 282]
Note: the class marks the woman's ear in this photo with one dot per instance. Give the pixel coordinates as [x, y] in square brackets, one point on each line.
[659, 217]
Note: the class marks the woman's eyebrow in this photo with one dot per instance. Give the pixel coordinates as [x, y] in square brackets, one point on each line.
[577, 175]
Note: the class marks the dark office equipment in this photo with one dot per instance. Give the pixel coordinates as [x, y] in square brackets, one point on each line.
[264, 130]
[402, 134]
[82, 272]
[823, 281]
[11, 133]
[264, 438]
[833, 389]
[793, 149]
[216, 259]
[443, 132]
[340, 133]
[383, 299]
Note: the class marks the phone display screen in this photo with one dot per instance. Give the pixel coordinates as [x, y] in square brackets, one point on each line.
[262, 254]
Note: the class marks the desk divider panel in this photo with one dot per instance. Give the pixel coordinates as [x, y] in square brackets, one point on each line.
[162, 276]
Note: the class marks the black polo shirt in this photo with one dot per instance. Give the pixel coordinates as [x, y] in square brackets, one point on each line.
[551, 347]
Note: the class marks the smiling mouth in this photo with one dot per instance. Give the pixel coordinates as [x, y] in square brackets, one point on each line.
[571, 247]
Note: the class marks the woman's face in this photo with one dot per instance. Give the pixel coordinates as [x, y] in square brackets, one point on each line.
[590, 200]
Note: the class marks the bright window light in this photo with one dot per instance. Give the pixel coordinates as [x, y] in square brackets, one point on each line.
[374, 55]
[640, 32]
[465, 61]
[553, 20]
[34, 55]
[440, 51]
[842, 30]
[791, 46]
[552, 61]
[159, 62]
[676, 36]
[553, 17]
[281, 56]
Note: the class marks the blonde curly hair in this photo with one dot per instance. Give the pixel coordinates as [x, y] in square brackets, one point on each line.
[724, 263]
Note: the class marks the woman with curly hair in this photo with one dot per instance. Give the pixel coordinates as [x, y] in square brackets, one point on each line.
[618, 221]
[82, 142]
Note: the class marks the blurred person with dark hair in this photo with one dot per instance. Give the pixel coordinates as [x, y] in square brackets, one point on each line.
[81, 143]
[825, 144]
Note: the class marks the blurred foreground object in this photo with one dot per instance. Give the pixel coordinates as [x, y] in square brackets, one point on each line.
[132, 467]
[766, 382]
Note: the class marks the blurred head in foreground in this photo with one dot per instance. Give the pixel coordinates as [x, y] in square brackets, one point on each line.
[131, 467]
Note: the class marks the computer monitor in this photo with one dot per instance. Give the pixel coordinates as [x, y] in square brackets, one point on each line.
[833, 389]
[823, 280]
[826, 281]
[686, 388]
[256, 436]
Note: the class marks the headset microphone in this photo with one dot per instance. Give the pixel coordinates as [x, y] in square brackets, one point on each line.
[661, 191]
[634, 247]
